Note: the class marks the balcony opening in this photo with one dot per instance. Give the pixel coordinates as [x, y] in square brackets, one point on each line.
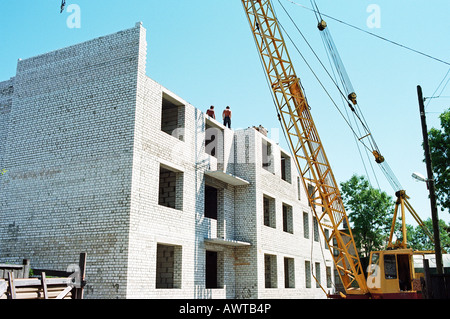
[211, 270]
[211, 200]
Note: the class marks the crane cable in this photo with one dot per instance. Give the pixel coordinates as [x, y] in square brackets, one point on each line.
[374, 35]
[372, 146]
[395, 184]
[349, 89]
[434, 96]
[346, 83]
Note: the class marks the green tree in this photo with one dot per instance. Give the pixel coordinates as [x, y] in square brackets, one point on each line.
[370, 213]
[418, 240]
[439, 141]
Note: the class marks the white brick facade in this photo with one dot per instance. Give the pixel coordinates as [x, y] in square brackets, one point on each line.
[90, 167]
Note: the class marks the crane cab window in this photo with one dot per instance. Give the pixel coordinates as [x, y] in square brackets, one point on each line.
[390, 267]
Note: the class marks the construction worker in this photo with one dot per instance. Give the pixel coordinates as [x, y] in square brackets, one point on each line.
[211, 112]
[226, 115]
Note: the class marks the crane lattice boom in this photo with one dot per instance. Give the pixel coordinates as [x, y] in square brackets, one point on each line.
[305, 143]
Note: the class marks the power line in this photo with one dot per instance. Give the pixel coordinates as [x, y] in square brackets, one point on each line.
[373, 34]
[434, 96]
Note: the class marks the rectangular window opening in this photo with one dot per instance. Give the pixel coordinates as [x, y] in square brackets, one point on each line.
[267, 156]
[170, 188]
[310, 193]
[288, 224]
[269, 212]
[289, 273]
[317, 266]
[308, 274]
[168, 267]
[316, 229]
[305, 225]
[327, 237]
[285, 168]
[329, 280]
[270, 271]
[172, 117]
[390, 267]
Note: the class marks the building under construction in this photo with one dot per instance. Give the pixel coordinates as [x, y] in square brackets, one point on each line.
[166, 201]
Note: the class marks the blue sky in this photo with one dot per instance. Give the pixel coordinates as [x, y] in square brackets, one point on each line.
[203, 51]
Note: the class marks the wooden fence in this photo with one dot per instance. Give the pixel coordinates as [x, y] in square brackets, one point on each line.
[19, 271]
[45, 284]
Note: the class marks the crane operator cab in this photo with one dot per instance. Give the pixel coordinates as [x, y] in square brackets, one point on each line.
[391, 274]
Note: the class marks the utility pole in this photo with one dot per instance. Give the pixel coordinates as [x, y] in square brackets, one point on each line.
[430, 185]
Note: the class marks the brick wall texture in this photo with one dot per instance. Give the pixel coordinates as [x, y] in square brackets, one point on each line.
[91, 167]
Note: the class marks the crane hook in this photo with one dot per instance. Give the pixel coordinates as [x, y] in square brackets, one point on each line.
[322, 25]
[378, 157]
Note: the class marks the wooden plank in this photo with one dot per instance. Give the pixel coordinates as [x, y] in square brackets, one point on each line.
[79, 291]
[26, 268]
[38, 295]
[39, 289]
[8, 266]
[37, 282]
[64, 293]
[3, 287]
[52, 273]
[12, 287]
[44, 285]
[428, 284]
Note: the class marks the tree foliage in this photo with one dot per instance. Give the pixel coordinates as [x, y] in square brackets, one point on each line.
[370, 213]
[418, 240]
[439, 141]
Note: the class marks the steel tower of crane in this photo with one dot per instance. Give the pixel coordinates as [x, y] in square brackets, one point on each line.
[305, 144]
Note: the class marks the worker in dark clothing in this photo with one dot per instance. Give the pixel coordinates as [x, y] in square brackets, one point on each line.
[226, 115]
[211, 112]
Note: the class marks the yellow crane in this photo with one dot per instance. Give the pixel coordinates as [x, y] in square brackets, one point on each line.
[391, 273]
[305, 143]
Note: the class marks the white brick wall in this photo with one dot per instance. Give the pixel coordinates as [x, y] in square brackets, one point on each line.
[68, 155]
[82, 142]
